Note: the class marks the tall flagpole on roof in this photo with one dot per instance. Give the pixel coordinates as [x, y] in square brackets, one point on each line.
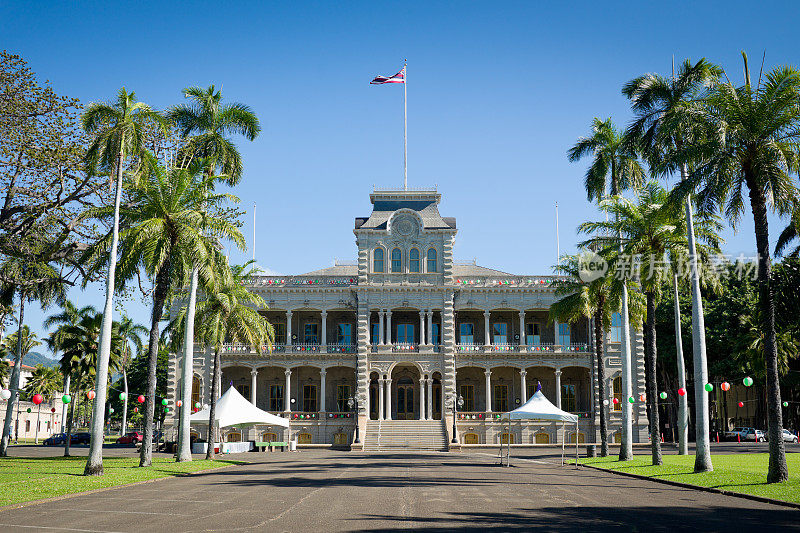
[254, 231]
[405, 125]
[558, 243]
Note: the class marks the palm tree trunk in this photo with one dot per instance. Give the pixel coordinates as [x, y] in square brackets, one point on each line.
[14, 381]
[778, 470]
[159, 296]
[71, 420]
[652, 388]
[601, 376]
[64, 407]
[94, 463]
[125, 401]
[212, 411]
[683, 401]
[184, 440]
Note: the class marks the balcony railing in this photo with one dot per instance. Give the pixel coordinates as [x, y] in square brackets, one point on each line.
[341, 348]
[478, 415]
[405, 347]
[505, 347]
[303, 415]
[306, 347]
[469, 347]
[299, 281]
[341, 414]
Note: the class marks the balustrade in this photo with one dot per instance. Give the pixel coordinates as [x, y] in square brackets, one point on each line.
[405, 347]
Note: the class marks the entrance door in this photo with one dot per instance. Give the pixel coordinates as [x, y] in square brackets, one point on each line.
[405, 399]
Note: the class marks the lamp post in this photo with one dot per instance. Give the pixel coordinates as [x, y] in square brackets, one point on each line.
[454, 400]
[352, 402]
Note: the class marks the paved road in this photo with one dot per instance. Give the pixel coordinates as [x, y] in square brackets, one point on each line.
[333, 491]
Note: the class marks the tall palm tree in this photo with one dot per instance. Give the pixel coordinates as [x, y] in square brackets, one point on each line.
[45, 381]
[131, 332]
[662, 125]
[80, 351]
[230, 314]
[164, 222]
[4, 366]
[789, 234]
[210, 122]
[118, 129]
[751, 143]
[614, 168]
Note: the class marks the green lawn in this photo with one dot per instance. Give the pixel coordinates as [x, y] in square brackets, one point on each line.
[26, 479]
[744, 472]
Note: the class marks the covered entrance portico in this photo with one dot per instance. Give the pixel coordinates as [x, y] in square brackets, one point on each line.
[406, 394]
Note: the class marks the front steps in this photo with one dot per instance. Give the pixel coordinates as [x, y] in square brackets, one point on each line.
[405, 435]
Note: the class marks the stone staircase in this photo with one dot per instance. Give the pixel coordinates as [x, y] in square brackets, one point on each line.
[405, 435]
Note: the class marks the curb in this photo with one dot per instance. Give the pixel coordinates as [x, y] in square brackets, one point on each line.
[115, 487]
[742, 495]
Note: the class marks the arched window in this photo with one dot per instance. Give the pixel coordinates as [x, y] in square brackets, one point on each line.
[397, 263]
[377, 260]
[432, 260]
[618, 393]
[413, 260]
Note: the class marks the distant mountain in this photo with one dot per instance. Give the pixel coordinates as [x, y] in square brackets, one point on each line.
[36, 358]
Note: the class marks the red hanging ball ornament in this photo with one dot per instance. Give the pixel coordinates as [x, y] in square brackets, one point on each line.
[179, 403]
[91, 394]
[725, 386]
[37, 399]
[135, 409]
[616, 401]
[140, 399]
[681, 392]
[53, 409]
[741, 404]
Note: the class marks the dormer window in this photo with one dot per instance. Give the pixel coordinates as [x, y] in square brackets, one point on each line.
[413, 260]
[397, 260]
[377, 260]
[432, 260]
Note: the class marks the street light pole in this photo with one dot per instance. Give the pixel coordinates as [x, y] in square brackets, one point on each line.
[456, 400]
[352, 402]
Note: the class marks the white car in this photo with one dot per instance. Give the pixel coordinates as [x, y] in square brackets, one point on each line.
[788, 436]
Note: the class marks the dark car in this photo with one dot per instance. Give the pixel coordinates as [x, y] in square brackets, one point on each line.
[134, 437]
[55, 440]
[80, 438]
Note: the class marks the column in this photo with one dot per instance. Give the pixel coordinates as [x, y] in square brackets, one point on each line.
[389, 328]
[388, 399]
[381, 385]
[381, 318]
[429, 397]
[324, 339]
[558, 389]
[487, 340]
[287, 405]
[524, 384]
[288, 329]
[488, 373]
[555, 331]
[430, 327]
[253, 376]
[422, 398]
[422, 339]
[322, 373]
[522, 339]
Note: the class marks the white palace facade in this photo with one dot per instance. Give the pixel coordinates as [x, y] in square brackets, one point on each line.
[404, 330]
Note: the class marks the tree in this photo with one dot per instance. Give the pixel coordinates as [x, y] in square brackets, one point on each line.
[663, 125]
[230, 314]
[131, 333]
[751, 143]
[118, 131]
[171, 223]
[210, 122]
[45, 381]
[614, 168]
[4, 366]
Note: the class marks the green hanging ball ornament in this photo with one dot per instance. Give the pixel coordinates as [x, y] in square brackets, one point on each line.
[709, 387]
[111, 410]
[29, 409]
[164, 401]
[197, 405]
[663, 395]
[122, 396]
[631, 400]
[166, 409]
[747, 381]
[66, 398]
[786, 404]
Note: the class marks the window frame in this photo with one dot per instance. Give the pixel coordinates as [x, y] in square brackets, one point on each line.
[396, 265]
[340, 336]
[616, 327]
[461, 333]
[314, 335]
[616, 392]
[375, 260]
[411, 261]
[468, 393]
[276, 397]
[562, 326]
[499, 401]
[341, 400]
[429, 260]
[503, 335]
[310, 401]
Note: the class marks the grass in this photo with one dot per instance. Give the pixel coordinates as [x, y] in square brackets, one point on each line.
[745, 473]
[25, 479]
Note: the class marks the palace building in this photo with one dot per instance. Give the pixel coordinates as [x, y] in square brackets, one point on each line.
[389, 341]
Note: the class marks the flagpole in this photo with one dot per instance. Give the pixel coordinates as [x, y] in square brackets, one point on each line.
[405, 126]
[254, 231]
[558, 244]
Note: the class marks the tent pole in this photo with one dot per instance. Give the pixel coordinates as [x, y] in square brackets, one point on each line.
[563, 435]
[576, 445]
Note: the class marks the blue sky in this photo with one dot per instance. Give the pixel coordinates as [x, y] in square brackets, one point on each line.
[497, 94]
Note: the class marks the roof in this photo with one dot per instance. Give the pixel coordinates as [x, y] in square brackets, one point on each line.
[336, 270]
[233, 410]
[424, 202]
[539, 408]
[477, 270]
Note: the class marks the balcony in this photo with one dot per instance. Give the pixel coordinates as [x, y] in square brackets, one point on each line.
[477, 415]
[341, 348]
[506, 348]
[405, 347]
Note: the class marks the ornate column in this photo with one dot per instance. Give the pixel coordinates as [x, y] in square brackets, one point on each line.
[389, 328]
[522, 339]
[287, 392]
[558, 388]
[324, 339]
[429, 397]
[253, 376]
[430, 327]
[322, 373]
[422, 382]
[488, 373]
[288, 329]
[388, 399]
[524, 384]
[555, 331]
[487, 338]
[381, 385]
[381, 335]
[422, 339]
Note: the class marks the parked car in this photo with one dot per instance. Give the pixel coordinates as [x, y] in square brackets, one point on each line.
[745, 434]
[80, 438]
[132, 437]
[55, 440]
[788, 436]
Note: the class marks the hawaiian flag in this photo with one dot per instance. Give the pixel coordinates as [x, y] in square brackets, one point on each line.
[400, 77]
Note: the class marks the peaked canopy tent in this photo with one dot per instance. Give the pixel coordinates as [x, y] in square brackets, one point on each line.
[233, 410]
[538, 407]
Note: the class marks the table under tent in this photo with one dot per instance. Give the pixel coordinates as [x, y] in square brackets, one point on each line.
[233, 410]
[539, 408]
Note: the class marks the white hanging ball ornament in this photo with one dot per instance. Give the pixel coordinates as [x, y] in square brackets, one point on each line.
[5, 394]
[205, 406]
[605, 402]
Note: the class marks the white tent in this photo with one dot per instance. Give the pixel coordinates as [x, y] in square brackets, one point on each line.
[539, 408]
[233, 410]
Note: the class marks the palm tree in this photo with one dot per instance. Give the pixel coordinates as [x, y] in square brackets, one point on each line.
[171, 223]
[211, 123]
[45, 381]
[789, 233]
[662, 125]
[131, 333]
[751, 142]
[118, 129]
[230, 314]
[80, 345]
[4, 366]
[614, 168]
